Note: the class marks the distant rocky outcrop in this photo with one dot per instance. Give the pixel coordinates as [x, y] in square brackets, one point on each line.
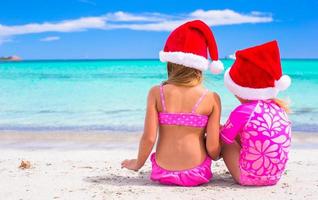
[10, 58]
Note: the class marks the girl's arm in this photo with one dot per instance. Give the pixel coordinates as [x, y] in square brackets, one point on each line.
[236, 122]
[149, 136]
[213, 144]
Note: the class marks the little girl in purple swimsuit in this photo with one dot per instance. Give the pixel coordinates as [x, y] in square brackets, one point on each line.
[257, 134]
[182, 112]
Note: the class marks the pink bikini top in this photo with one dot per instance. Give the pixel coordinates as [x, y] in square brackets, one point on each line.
[182, 119]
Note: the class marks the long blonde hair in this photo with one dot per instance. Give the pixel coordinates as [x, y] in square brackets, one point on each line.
[283, 104]
[183, 76]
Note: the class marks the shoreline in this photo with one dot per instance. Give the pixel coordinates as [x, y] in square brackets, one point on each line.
[67, 140]
[100, 140]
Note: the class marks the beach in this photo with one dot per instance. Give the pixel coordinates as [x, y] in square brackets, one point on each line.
[78, 88]
[76, 120]
[86, 165]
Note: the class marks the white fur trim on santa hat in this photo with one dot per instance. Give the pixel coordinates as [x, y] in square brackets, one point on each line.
[283, 83]
[249, 93]
[185, 59]
[216, 67]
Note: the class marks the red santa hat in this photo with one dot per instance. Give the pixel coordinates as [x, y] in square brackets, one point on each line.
[187, 45]
[257, 73]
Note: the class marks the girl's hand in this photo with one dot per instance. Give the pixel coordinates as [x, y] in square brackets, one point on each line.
[130, 164]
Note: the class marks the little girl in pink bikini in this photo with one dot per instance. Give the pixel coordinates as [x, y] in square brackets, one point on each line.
[257, 134]
[183, 112]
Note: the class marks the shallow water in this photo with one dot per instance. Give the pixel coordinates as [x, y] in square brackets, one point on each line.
[110, 95]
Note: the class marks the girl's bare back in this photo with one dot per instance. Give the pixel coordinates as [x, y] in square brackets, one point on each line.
[182, 147]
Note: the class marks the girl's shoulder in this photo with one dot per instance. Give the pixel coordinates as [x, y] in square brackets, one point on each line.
[246, 108]
[154, 91]
[213, 96]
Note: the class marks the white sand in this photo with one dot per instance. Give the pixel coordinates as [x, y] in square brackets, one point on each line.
[94, 173]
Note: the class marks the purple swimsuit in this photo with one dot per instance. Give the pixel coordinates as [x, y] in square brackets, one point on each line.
[265, 134]
[190, 177]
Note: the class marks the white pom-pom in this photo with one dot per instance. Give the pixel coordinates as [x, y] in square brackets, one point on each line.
[216, 67]
[283, 83]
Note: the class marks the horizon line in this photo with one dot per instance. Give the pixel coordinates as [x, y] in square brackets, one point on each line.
[124, 59]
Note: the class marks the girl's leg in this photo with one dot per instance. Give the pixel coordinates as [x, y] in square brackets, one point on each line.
[231, 157]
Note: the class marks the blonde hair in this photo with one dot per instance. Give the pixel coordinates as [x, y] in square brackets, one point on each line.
[183, 76]
[283, 104]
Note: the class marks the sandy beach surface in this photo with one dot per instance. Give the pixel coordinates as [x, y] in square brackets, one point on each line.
[87, 166]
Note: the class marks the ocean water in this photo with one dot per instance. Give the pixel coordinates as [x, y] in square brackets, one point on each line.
[110, 95]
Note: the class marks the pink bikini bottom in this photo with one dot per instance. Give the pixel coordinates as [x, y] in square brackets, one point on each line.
[190, 177]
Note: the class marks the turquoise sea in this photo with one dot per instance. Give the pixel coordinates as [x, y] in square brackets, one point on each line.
[110, 95]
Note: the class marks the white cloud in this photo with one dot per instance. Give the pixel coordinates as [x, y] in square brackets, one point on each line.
[228, 17]
[142, 22]
[63, 26]
[5, 40]
[121, 16]
[50, 39]
[159, 22]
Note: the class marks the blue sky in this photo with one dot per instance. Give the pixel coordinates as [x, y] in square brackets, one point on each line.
[81, 29]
